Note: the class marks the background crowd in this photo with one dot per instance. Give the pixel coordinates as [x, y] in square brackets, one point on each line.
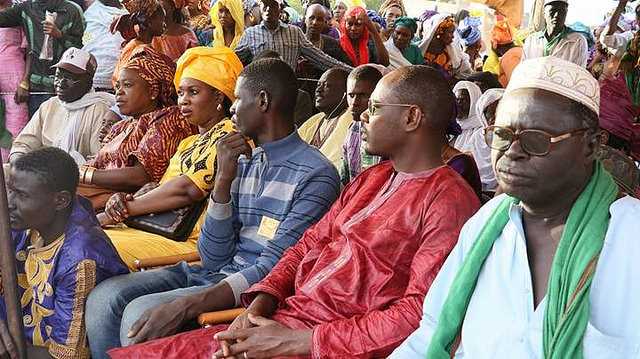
[247, 146]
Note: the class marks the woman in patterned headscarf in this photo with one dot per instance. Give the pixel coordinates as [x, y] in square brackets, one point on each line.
[439, 49]
[137, 150]
[146, 20]
[205, 81]
[227, 17]
[356, 30]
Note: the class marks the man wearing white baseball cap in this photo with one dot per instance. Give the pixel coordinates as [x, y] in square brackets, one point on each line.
[549, 269]
[557, 39]
[72, 120]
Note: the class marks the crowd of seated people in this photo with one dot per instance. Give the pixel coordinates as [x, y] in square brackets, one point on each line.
[336, 182]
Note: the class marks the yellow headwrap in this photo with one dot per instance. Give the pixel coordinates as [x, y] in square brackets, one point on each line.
[218, 67]
[237, 12]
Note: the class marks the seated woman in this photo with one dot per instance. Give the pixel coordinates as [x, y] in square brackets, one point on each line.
[205, 80]
[227, 17]
[471, 36]
[401, 51]
[439, 47]
[356, 31]
[137, 150]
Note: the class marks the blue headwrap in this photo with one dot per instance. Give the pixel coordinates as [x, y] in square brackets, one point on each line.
[375, 17]
[426, 15]
[469, 30]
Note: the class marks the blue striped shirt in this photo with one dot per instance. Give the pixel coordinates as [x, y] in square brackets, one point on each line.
[286, 40]
[284, 188]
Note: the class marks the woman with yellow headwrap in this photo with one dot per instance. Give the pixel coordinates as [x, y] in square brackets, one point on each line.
[205, 81]
[227, 17]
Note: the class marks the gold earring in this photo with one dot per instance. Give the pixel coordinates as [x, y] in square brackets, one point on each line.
[219, 108]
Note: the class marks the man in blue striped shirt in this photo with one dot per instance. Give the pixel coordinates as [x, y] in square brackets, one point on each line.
[287, 40]
[263, 201]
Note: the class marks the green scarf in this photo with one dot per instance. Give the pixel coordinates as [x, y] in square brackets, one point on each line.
[548, 48]
[567, 311]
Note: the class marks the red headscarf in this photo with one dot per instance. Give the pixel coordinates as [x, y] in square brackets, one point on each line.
[345, 41]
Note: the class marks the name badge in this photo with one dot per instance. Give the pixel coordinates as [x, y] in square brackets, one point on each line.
[268, 227]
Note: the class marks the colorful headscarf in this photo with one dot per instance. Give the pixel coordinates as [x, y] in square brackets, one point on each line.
[501, 34]
[469, 30]
[407, 22]
[237, 12]
[345, 41]
[426, 15]
[157, 70]
[433, 28]
[141, 7]
[218, 67]
[375, 17]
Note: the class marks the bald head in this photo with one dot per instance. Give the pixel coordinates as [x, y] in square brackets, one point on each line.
[425, 87]
[316, 19]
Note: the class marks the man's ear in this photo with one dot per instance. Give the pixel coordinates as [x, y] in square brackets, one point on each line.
[264, 101]
[62, 200]
[413, 119]
[593, 141]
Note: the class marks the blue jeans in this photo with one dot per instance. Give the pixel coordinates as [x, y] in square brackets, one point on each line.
[35, 101]
[117, 303]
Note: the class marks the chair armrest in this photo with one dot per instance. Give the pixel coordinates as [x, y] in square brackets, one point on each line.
[142, 264]
[220, 317]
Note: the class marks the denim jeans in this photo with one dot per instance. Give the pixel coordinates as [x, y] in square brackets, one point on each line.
[35, 101]
[117, 303]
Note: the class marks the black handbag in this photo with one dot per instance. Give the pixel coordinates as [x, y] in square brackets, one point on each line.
[176, 224]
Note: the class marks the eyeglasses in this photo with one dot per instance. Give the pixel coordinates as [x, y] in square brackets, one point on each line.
[373, 107]
[70, 82]
[533, 142]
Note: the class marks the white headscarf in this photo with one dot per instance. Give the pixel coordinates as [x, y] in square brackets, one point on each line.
[471, 140]
[475, 93]
[489, 97]
[458, 58]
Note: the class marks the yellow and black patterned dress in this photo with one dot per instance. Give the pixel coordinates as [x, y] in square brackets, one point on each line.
[196, 159]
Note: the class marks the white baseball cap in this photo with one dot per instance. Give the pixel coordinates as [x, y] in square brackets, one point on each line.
[77, 61]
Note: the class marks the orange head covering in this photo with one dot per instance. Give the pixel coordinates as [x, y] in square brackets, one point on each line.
[218, 67]
[144, 7]
[157, 70]
[345, 41]
[501, 34]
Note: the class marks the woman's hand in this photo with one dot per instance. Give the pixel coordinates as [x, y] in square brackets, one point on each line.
[116, 207]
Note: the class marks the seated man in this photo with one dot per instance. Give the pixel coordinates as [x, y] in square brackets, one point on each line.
[61, 252]
[72, 120]
[260, 205]
[550, 268]
[328, 129]
[354, 284]
[360, 85]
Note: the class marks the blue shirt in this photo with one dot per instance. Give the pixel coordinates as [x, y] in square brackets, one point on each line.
[284, 188]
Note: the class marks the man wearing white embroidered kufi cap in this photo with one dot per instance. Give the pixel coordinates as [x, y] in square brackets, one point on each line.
[557, 39]
[548, 269]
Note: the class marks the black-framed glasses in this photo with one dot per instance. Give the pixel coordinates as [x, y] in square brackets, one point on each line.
[70, 82]
[533, 142]
[374, 106]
